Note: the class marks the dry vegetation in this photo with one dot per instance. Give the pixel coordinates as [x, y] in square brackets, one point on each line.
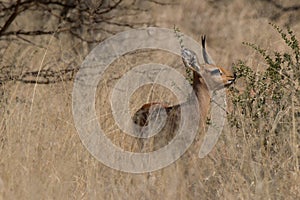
[43, 44]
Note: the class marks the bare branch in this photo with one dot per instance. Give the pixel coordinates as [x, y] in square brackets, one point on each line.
[283, 8]
[11, 18]
[44, 76]
[162, 3]
[30, 33]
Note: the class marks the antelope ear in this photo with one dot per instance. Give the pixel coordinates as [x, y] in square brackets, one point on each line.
[190, 60]
[205, 55]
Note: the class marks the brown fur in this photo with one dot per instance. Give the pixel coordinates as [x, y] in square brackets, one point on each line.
[205, 78]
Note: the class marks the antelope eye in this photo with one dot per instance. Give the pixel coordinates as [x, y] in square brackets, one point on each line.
[216, 72]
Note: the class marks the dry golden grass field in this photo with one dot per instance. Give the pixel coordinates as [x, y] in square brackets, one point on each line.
[42, 45]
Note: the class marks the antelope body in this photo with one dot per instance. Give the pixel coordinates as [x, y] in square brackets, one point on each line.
[206, 77]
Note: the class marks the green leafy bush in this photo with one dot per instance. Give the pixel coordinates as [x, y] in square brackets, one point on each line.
[266, 113]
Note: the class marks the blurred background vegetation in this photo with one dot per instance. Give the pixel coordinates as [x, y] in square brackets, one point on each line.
[42, 45]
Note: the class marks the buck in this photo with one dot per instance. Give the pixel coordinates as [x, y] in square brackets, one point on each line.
[205, 77]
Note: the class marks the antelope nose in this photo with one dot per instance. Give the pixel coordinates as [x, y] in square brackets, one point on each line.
[232, 79]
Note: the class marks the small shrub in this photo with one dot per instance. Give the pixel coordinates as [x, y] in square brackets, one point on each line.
[265, 113]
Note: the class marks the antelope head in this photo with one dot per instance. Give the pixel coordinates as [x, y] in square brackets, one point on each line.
[215, 77]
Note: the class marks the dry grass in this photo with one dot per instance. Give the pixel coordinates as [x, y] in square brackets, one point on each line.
[42, 157]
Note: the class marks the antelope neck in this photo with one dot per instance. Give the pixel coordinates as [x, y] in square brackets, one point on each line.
[203, 96]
